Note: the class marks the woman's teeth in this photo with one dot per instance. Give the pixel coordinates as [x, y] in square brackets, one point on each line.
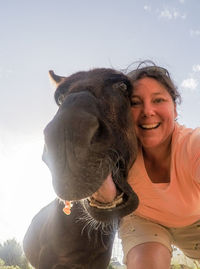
[149, 126]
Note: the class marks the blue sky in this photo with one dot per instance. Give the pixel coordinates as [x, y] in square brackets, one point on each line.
[69, 36]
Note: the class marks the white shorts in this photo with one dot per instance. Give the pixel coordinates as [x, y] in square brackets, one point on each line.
[135, 230]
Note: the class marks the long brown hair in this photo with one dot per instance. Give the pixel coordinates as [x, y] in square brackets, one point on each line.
[150, 69]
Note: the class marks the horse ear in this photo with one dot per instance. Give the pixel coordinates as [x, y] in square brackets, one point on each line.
[55, 79]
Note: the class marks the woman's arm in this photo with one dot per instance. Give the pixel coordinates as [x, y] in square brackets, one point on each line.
[107, 192]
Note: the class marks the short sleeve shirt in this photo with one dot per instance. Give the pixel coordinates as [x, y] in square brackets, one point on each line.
[174, 204]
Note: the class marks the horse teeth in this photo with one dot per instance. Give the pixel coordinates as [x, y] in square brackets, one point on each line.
[117, 201]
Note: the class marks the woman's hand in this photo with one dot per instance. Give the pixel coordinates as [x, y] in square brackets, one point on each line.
[107, 192]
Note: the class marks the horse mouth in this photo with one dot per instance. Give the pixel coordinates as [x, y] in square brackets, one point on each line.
[120, 199]
[116, 202]
[124, 203]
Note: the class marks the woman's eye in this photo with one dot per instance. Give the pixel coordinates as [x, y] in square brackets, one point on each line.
[158, 100]
[135, 102]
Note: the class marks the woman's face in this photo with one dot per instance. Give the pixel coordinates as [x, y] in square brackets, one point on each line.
[153, 111]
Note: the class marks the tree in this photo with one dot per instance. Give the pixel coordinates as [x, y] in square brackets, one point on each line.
[12, 254]
[3, 266]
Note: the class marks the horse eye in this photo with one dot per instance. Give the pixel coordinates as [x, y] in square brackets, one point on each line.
[61, 99]
[120, 86]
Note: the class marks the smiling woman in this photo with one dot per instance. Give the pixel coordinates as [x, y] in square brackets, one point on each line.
[153, 109]
[23, 178]
[165, 175]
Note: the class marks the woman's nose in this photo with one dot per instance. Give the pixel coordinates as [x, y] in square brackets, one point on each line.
[147, 110]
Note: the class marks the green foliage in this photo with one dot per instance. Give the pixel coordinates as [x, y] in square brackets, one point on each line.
[3, 266]
[180, 266]
[11, 254]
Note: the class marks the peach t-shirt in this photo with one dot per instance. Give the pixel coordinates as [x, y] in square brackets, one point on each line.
[174, 204]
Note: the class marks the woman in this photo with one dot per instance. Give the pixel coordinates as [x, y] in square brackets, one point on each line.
[165, 176]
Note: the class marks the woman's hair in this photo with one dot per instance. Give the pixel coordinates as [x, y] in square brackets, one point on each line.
[150, 69]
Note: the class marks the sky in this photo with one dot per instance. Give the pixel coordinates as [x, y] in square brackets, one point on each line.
[69, 36]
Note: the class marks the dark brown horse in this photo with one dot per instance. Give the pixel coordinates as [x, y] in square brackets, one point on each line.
[90, 138]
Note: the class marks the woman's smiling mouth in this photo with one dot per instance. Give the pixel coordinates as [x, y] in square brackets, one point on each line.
[149, 126]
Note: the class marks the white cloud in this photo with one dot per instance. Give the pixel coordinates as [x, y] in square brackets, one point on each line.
[196, 68]
[147, 8]
[182, 1]
[189, 83]
[195, 32]
[5, 73]
[171, 14]
[165, 14]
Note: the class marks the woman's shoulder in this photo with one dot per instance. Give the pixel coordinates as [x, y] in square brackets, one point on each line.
[186, 151]
[186, 141]
[183, 133]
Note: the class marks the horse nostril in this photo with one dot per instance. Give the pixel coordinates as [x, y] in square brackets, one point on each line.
[101, 134]
[90, 127]
[81, 127]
